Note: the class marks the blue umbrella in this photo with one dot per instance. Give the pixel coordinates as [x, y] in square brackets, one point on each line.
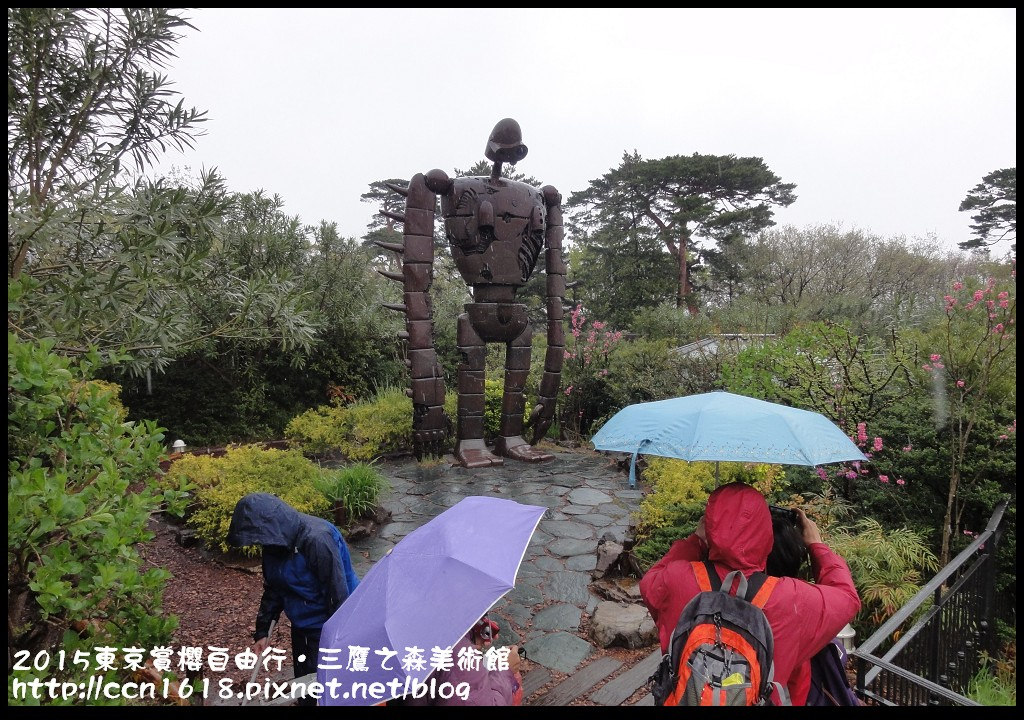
[428, 591]
[722, 426]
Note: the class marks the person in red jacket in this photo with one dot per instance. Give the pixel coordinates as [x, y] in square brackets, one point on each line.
[735, 533]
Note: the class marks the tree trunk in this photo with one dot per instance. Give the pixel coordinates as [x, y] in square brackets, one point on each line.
[684, 298]
[681, 297]
[947, 521]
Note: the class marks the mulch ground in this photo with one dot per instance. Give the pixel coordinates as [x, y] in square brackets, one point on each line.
[215, 602]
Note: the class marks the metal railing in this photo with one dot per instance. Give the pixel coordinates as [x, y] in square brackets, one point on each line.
[952, 622]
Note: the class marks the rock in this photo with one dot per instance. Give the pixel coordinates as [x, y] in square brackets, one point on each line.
[621, 590]
[628, 626]
[559, 651]
[608, 554]
[186, 537]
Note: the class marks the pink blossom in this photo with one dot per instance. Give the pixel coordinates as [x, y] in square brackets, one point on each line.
[998, 328]
[991, 304]
[862, 432]
[569, 355]
[821, 473]
[926, 367]
[950, 300]
[851, 475]
[1004, 437]
[970, 306]
[604, 372]
[878, 444]
[883, 478]
[908, 448]
[901, 481]
[568, 390]
[979, 294]
[939, 366]
[1004, 303]
[598, 325]
[934, 357]
[960, 383]
[958, 286]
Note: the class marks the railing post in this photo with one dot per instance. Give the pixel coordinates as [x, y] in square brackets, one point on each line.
[988, 625]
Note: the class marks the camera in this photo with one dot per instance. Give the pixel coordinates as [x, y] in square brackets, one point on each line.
[790, 516]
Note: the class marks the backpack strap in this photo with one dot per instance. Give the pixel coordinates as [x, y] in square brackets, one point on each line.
[703, 575]
[764, 591]
[756, 589]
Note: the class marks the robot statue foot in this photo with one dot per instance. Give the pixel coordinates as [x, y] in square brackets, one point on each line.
[474, 454]
[518, 449]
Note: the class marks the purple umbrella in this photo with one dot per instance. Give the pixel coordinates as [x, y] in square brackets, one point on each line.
[427, 592]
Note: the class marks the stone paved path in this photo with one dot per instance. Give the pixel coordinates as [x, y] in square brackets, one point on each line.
[586, 498]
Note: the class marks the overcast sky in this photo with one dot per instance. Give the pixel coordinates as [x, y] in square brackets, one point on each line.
[883, 118]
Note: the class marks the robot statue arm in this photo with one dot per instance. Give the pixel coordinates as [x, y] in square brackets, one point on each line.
[431, 427]
[544, 411]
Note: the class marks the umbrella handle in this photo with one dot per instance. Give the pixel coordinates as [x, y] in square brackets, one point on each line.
[632, 464]
[255, 670]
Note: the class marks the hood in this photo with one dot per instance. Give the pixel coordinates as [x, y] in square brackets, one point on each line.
[264, 519]
[738, 527]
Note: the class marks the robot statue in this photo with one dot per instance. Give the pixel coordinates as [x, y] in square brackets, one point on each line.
[496, 228]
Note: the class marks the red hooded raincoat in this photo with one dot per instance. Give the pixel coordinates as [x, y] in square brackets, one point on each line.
[804, 617]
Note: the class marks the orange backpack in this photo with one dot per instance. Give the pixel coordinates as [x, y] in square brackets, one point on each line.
[721, 651]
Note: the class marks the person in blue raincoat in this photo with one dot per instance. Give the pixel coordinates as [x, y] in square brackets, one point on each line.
[307, 571]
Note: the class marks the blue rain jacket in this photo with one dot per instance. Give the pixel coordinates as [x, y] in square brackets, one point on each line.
[307, 571]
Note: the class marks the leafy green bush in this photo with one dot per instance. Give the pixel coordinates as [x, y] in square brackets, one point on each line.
[668, 322]
[679, 520]
[361, 431]
[356, 488]
[682, 483]
[222, 481]
[79, 498]
[887, 566]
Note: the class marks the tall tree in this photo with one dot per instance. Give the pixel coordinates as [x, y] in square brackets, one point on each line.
[994, 200]
[681, 198]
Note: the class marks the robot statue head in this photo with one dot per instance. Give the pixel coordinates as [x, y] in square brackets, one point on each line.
[505, 145]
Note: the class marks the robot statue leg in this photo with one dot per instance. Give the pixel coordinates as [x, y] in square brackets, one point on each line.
[470, 449]
[510, 442]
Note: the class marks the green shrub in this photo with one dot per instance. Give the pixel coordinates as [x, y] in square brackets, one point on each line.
[361, 431]
[681, 483]
[318, 430]
[357, 488]
[79, 498]
[888, 567]
[493, 392]
[995, 683]
[222, 481]
[679, 520]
